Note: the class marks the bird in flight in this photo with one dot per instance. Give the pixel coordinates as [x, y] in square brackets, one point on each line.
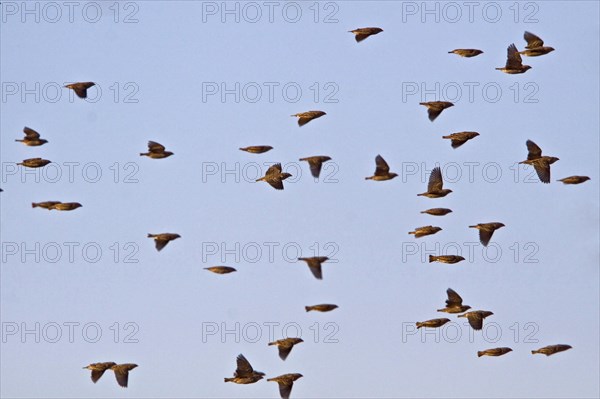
[435, 108]
[466, 52]
[161, 240]
[454, 303]
[80, 88]
[458, 139]
[285, 346]
[314, 264]
[540, 163]
[98, 369]
[244, 373]
[382, 170]
[156, 151]
[275, 176]
[514, 63]
[305, 117]
[362, 33]
[315, 163]
[535, 46]
[32, 138]
[486, 230]
[435, 187]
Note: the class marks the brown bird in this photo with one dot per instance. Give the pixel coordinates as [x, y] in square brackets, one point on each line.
[275, 177]
[122, 372]
[156, 151]
[437, 211]
[46, 204]
[454, 303]
[362, 33]
[286, 382]
[514, 62]
[382, 170]
[285, 346]
[32, 138]
[466, 52]
[220, 269]
[574, 179]
[315, 163]
[65, 206]
[540, 163]
[324, 307]
[552, 349]
[476, 318]
[425, 231]
[257, 149]
[161, 240]
[34, 162]
[486, 230]
[433, 323]
[535, 46]
[435, 108]
[435, 186]
[80, 88]
[305, 117]
[244, 373]
[314, 264]
[494, 352]
[98, 369]
[451, 259]
[458, 139]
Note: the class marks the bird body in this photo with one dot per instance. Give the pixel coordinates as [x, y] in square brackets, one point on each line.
[46, 204]
[80, 88]
[433, 323]
[65, 206]
[435, 187]
[437, 211]
[454, 303]
[156, 151]
[257, 149]
[244, 373]
[514, 63]
[486, 230]
[574, 179]
[476, 318]
[220, 269]
[382, 170]
[325, 307]
[32, 138]
[435, 108]
[98, 369]
[161, 240]
[540, 163]
[305, 117]
[275, 176]
[466, 52]
[425, 231]
[551, 349]
[314, 264]
[34, 162]
[315, 163]
[285, 346]
[494, 352]
[451, 259]
[535, 46]
[286, 382]
[458, 139]
[362, 33]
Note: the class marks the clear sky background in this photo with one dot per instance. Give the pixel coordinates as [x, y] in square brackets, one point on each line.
[539, 276]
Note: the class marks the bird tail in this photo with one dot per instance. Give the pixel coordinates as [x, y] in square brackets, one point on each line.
[272, 343]
[422, 103]
[432, 258]
[151, 235]
[419, 324]
[308, 308]
[473, 227]
[480, 353]
[498, 69]
[441, 310]
[368, 178]
[261, 179]
[412, 232]
[534, 352]
[143, 153]
[228, 379]
[33, 205]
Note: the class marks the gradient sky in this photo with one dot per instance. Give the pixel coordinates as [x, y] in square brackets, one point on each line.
[154, 78]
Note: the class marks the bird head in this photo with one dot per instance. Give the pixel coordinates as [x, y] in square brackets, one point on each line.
[551, 160]
[285, 176]
[392, 175]
[550, 49]
[526, 67]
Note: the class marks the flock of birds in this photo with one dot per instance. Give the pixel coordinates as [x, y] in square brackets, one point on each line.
[244, 373]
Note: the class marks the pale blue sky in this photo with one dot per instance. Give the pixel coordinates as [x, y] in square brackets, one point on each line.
[539, 275]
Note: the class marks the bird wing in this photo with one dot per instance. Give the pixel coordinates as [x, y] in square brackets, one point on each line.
[160, 244]
[542, 169]
[436, 182]
[244, 369]
[513, 59]
[433, 112]
[475, 320]
[453, 298]
[315, 166]
[153, 146]
[284, 351]
[96, 374]
[381, 167]
[276, 183]
[285, 388]
[274, 170]
[457, 142]
[485, 236]
[315, 268]
[30, 133]
[534, 152]
[533, 41]
[122, 377]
